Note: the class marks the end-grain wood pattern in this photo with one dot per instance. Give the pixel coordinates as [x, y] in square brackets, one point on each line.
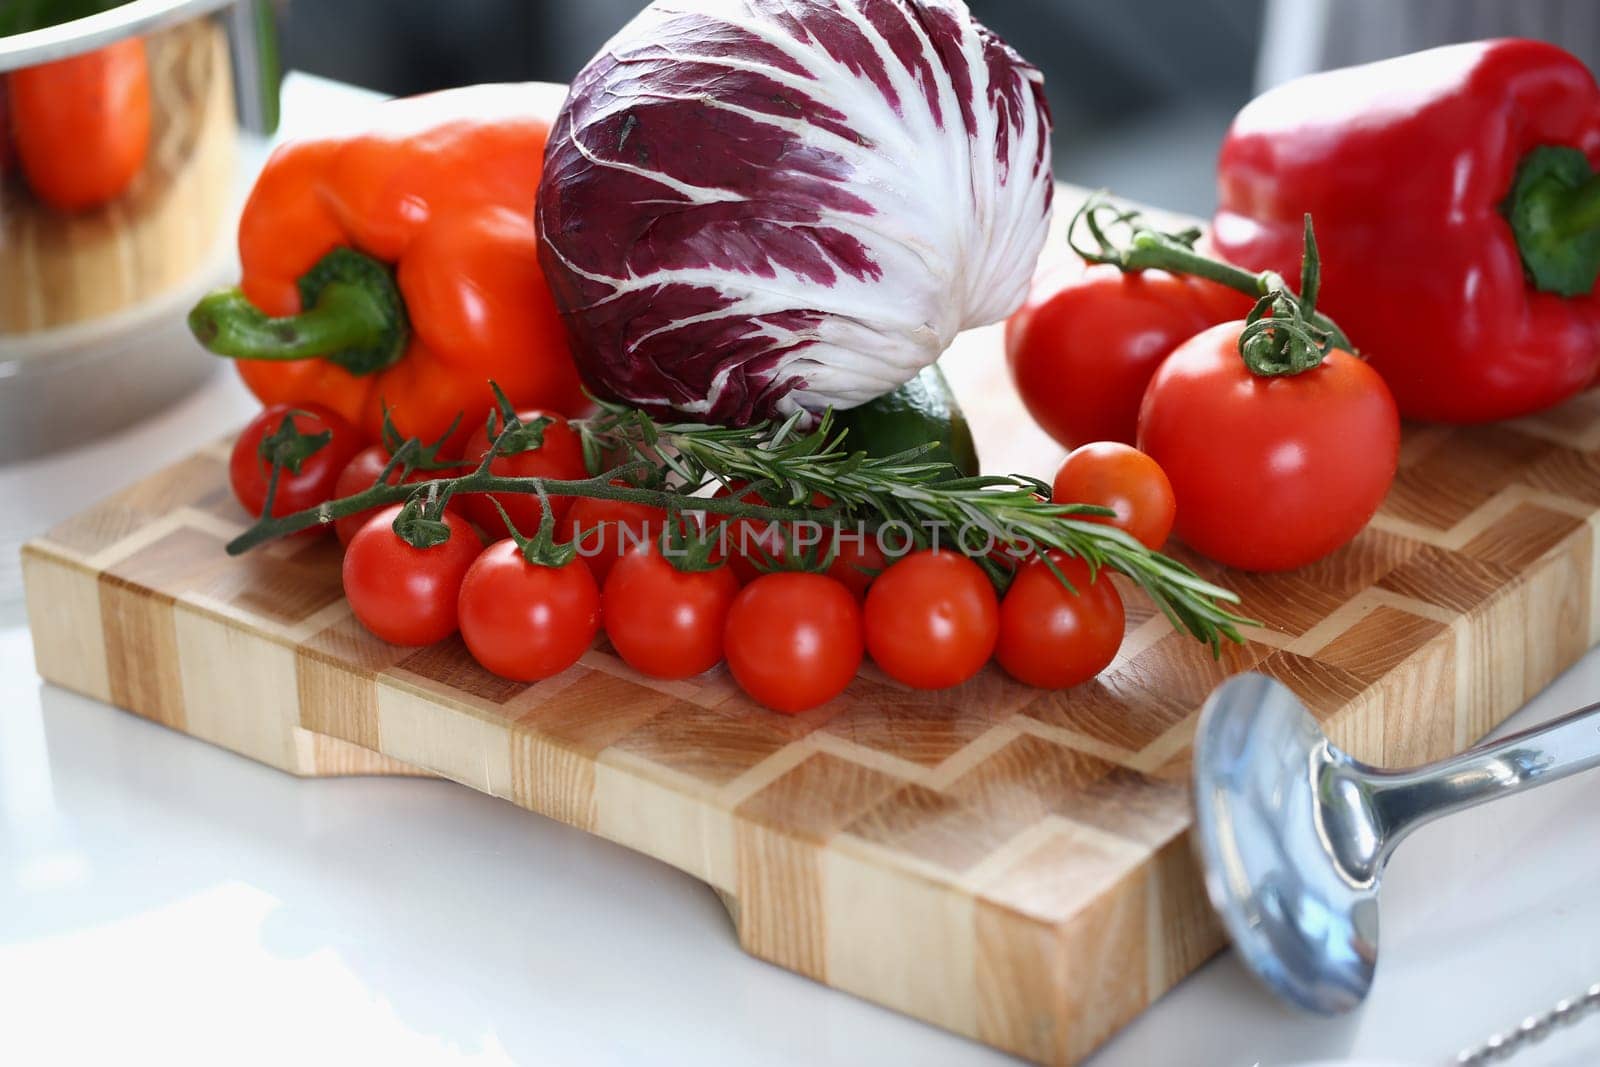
[68, 268]
[1007, 863]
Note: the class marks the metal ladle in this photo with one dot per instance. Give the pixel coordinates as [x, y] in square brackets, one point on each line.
[1293, 835]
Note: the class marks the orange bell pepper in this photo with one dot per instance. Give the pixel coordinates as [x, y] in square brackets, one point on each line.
[82, 124]
[398, 268]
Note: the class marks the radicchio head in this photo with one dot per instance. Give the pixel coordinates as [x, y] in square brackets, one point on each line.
[753, 206]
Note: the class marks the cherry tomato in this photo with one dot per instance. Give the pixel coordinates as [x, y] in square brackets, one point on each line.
[858, 558]
[361, 474]
[249, 472]
[560, 457]
[1053, 637]
[406, 595]
[793, 640]
[665, 622]
[606, 530]
[1269, 473]
[526, 621]
[1084, 346]
[1120, 477]
[754, 546]
[932, 619]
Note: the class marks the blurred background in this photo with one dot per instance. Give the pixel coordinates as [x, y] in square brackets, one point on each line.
[1142, 89]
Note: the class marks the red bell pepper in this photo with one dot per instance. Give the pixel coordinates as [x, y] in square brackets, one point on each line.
[1458, 210]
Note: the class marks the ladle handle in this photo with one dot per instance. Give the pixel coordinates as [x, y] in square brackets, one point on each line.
[1405, 800]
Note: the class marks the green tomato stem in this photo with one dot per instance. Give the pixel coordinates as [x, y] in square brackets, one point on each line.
[1284, 334]
[670, 466]
[597, 488]
[1150, 250]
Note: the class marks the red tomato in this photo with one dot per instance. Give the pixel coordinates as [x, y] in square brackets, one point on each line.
[932, 619]
[1119, 477]
[858, 559]
[1269, 473]
[526, 621]
[406, 595]
[1084, 346]
[1053, 637]
[753, 546]
[665, 622]
[793, 640]
[249, 472]
[606, 530]
[361, 474]
[560, 457]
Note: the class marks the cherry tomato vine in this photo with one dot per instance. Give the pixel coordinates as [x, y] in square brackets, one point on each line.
[677, 466]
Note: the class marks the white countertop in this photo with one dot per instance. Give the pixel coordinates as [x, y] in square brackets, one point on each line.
[164, 896]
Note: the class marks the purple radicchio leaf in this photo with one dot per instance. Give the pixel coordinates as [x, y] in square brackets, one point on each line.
[754, 206]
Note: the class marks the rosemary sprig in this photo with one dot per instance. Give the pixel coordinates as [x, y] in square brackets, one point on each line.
[674, 466]
[1009, 510]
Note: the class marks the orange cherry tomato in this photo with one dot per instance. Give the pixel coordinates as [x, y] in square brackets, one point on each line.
[1117, 476]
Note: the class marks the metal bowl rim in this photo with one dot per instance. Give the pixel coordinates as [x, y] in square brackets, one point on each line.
[86, 34]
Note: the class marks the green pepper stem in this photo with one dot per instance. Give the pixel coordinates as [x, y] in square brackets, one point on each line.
[354, 316]
[1577, 211]
[346, 316]
[1553, 209]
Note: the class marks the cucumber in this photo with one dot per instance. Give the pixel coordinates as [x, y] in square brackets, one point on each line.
[922, 410]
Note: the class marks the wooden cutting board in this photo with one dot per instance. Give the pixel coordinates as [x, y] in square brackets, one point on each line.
[1007, 863]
